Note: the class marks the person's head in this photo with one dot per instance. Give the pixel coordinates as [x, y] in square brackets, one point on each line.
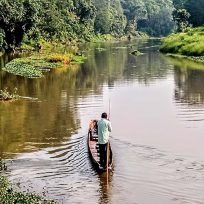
[104, 115]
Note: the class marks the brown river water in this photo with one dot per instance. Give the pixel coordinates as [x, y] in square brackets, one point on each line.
[157, 114]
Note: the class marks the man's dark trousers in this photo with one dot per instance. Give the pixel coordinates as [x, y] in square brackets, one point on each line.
[102, 149]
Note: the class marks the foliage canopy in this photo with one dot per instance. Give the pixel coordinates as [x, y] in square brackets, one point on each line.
[65, 20]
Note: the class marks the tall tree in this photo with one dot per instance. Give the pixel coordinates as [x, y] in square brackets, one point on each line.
[16, 18]
[159, 21]
[195, 9]
[109, 17]
[134, 10]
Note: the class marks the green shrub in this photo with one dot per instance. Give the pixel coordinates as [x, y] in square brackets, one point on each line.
[190, 43]
[8, 195]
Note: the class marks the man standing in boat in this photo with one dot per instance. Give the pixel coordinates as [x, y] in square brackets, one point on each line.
[104, 129]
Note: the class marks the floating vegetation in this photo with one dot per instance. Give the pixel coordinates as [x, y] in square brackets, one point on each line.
[23, 67]
[8, 195]
[6, 95]
[136, 53]
[34, 66]
[3, 166]
[78, 59]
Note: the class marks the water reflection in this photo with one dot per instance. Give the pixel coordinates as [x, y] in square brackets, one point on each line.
[53, 118]
[150, 96]
[105, 186]
[146, 68]
[188, 77]
[189, 86]
[189, 90]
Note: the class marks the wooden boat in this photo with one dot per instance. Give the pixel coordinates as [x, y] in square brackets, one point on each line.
[93, 148]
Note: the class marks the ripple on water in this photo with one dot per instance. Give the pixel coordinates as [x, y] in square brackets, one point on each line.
[158, 173]
[191, 115]
[58, 170]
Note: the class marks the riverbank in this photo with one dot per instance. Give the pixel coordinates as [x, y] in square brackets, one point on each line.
[47, 56]
[8, 194]
[44, 56]
[188, 45]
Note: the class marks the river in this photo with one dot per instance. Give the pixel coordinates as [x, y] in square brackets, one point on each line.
[157, 114]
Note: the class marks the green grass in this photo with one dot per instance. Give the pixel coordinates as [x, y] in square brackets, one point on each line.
[102, 38]
[190, 43]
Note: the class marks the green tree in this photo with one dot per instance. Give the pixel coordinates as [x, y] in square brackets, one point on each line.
[188, 12]
[179, 4]
[109, 17]
[16, 18]
[195, 9]
[158, 21]
[134, 10]
[181, 17]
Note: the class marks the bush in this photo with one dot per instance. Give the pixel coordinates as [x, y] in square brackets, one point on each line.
[8, 195]
[190, 43]
[66, 59]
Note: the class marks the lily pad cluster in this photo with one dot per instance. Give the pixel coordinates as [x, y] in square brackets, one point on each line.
[34, 66]
[24, 67]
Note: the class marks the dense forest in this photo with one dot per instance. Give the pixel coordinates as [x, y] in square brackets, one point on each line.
[65, 20]
[188, 13]
[189, 39]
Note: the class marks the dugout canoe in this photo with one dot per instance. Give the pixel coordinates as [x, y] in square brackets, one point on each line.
[93, 148]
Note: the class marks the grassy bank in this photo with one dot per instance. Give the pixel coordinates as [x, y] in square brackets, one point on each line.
[8, 195]
[190, 43]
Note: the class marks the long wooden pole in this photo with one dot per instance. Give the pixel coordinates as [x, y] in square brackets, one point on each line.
[107, 160]
[107, 152]
[109, 110]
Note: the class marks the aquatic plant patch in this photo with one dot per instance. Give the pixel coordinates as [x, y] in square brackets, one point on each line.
[78, 59]
[34, 66]
[6, 95]
[23, 67]
[8, 195]
[3, 166]
[136, 52]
